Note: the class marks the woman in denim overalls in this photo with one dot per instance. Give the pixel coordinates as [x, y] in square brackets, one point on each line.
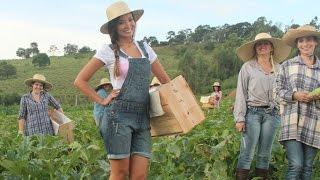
[125, 125]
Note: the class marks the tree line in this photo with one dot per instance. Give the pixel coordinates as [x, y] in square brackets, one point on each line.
[208, 54]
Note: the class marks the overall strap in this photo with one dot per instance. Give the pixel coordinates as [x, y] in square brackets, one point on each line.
[120, 52]
[142, 47]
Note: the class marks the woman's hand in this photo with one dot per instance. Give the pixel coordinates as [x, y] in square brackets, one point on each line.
[302, 96]
[240, 126]
[111, 96]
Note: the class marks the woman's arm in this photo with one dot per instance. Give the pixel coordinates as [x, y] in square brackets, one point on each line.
[81, 82]
[21, 126]
[240, 106]
[158, 70]
[22, 115]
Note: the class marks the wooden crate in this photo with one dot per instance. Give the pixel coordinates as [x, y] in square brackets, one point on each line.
[62, 125]
[182, 112]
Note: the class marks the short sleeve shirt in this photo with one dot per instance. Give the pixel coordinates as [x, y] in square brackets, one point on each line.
[106, 55]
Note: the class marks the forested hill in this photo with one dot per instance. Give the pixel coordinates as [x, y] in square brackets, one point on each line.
[202, 55]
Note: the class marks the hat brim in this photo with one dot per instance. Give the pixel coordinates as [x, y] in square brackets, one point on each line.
[46, 84]
[292, 34]
[280, 50]
[136, 16]
[97, 87]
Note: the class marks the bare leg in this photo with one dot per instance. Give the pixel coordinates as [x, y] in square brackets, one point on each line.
[138, 167]
[119, 169]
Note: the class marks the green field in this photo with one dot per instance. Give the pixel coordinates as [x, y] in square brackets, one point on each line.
[208, 152]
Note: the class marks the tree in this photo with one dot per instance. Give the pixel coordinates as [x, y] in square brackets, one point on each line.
[21, 52]
[7, 70]
[41, 60]
[314, 22]
[170, 36]
[34, 48]
[53, 50]
[152, 40]
[28, 53]
[70, 49]
[85, 49]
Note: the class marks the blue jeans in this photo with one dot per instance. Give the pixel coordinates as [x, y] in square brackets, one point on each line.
[261, 126]
[300, 158]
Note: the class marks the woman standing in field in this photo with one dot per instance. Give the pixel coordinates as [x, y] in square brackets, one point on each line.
[125, 126]
[102, 90]
[300, 112]
[33, 115]
[216, 95]
[255, 111]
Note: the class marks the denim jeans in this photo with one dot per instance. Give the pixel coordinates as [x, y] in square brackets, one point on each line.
[261, 126]
[300, 158]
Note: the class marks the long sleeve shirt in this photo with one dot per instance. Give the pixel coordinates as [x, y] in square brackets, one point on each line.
[254, 88]
[35, 114]
[299, 120]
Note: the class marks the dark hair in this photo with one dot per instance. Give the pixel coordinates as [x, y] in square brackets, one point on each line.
[114, 36]
[219, 88]
[112, 29]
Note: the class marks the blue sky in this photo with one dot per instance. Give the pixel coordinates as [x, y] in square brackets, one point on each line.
[59, 22]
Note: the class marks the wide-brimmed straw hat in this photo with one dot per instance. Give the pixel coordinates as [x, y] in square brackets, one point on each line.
[216, 84]
[155, 81]
[118, 9]
[292, 34]
[280, 49]
[103, 81]
[39, 78]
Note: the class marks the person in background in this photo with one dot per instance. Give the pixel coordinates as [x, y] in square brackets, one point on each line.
[300, 112]
[33, 115]
[102, 90]
[125, 125]
[255, 110]
[216, 95]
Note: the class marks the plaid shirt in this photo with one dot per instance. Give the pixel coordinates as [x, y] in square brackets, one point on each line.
[36, 115]
[299, 120]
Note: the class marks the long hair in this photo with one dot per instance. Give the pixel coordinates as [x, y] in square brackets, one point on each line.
[114, 36]
[112, 29]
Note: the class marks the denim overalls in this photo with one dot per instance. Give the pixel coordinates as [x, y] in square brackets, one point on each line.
[125, 125]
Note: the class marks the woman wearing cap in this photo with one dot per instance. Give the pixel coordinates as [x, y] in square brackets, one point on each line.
[216, 95]
[300, 112]
[33, 114]
[102, 90]
[125, 126]
[255, 110]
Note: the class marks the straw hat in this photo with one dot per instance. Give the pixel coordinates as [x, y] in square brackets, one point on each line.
[155, 81]
[39, 78]
[103, 81]
[280, 49]
[292, 34]
[118, 9]
[216, 84]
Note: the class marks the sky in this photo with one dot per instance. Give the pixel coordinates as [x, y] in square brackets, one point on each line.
[58, 22]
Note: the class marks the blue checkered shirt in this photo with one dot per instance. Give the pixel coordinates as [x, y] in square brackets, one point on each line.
[299, 121]
[36, 115]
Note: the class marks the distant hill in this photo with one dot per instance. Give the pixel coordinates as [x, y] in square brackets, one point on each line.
[63, 70]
